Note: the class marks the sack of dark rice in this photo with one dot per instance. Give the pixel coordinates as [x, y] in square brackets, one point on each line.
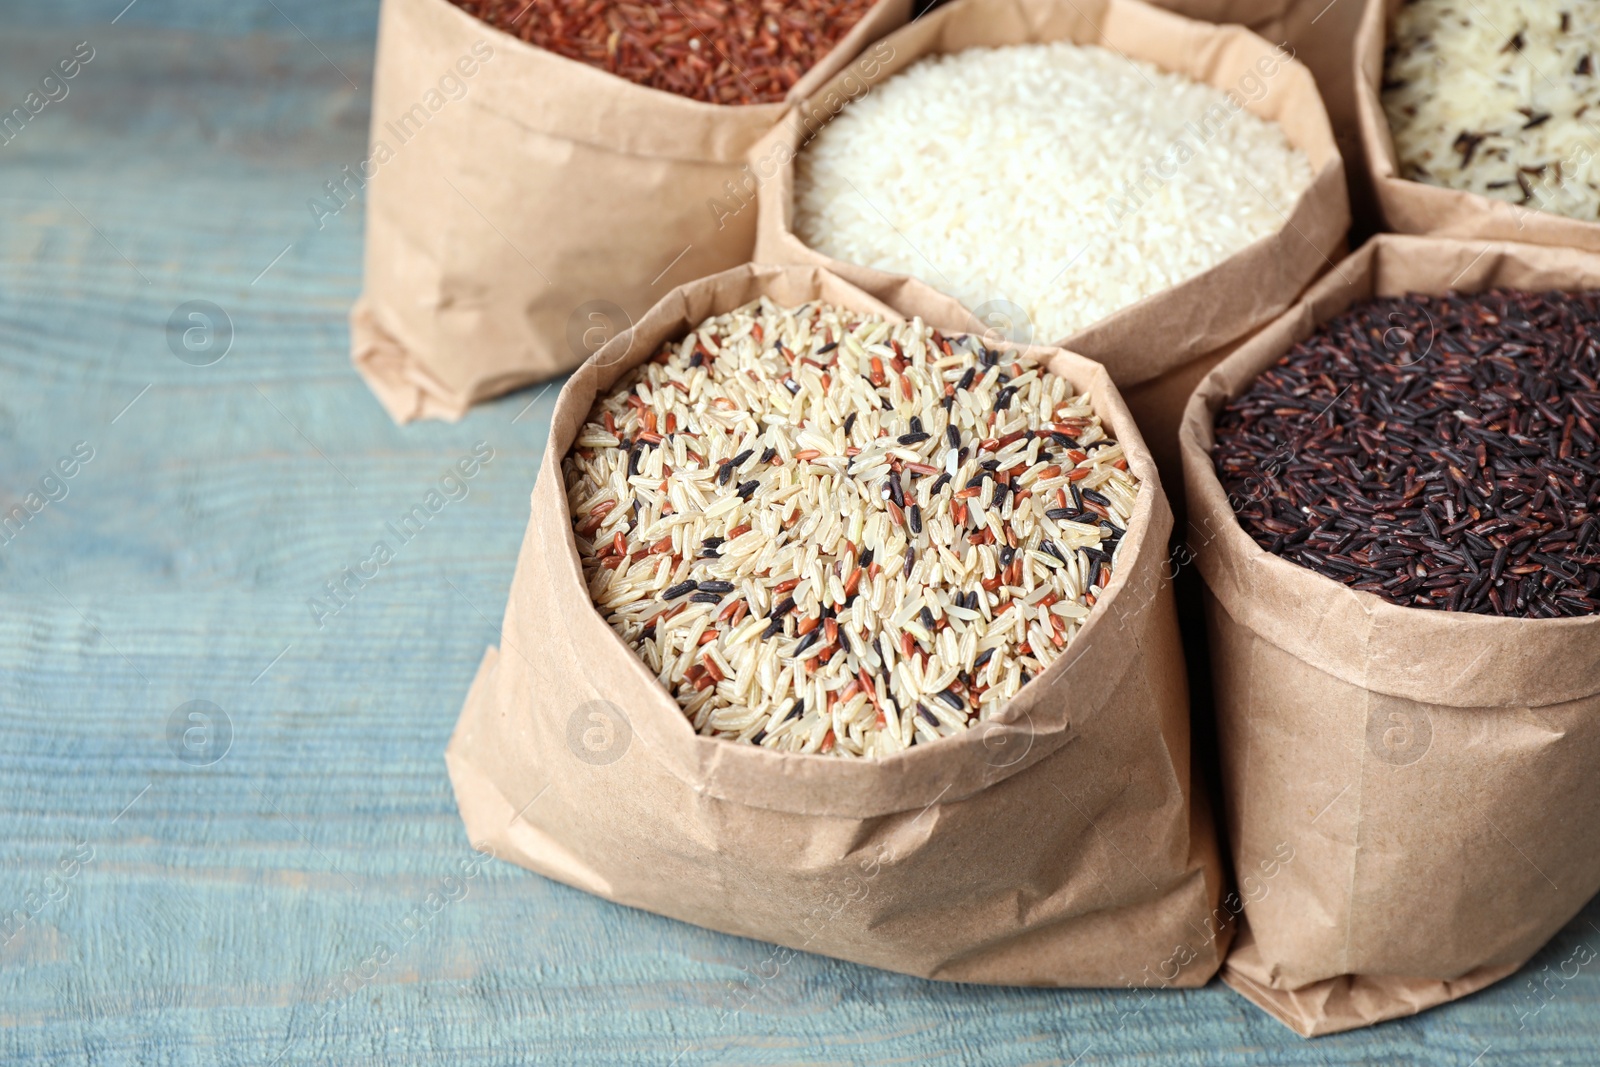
[835, 631]
[1394, 499]
[526, 201]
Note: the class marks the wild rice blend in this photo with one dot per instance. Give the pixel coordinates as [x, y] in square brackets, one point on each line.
[1068, 180]
[733, 52]
[1440, 452]
[1499, 98]
[830, 533]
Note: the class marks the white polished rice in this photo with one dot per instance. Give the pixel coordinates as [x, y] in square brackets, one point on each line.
[1499, 98]
[1068, 180]
[826, 532]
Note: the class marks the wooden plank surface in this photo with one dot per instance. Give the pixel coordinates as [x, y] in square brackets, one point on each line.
[293, 901]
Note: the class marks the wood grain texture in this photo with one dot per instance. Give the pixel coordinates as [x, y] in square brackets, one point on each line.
[228, 914]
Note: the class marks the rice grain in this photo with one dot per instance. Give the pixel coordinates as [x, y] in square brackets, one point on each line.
[1069, 180]
[830, 533]
[1498, 98]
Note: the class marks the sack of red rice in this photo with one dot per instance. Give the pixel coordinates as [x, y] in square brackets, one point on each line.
[540, 171]
[1130, 184]
[1477, 118]
[1394, 496]
[844, 634]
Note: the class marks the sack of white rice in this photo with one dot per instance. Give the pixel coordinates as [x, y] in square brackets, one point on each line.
[837, 632]
[1395, 503]
[1103, 175]
[526, 201]
[1477, 118]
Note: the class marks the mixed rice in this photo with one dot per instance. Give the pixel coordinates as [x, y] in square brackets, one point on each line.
[830, 533]
[1498, 98]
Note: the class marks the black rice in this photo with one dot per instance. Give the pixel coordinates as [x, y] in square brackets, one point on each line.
[1439, 452]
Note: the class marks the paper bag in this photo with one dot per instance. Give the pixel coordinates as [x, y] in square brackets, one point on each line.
[1416, 207]
[1431, 772]
[1057, 845]
[523, 207]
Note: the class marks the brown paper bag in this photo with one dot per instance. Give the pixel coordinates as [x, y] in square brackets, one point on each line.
[1322, 34]
[523, 207]
[1266, 17]
[1432, 773]
[1157, 336]
[1056, 845]
[1257, 15]
[1416, 207]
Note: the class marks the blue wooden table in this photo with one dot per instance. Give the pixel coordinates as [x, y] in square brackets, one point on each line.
[226, 834]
